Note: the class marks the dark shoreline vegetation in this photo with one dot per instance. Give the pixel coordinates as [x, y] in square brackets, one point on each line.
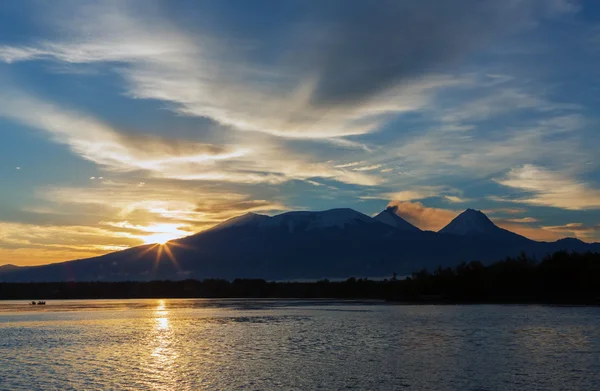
[562, 278]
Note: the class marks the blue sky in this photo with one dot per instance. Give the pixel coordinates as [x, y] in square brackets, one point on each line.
[131, 122]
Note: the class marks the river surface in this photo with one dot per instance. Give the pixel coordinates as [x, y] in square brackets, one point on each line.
[296, 345]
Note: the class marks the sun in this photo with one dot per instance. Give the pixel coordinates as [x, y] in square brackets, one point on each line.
[162, 233]
[159, 238]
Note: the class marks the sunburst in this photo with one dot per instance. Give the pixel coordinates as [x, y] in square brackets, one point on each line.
[166, 248]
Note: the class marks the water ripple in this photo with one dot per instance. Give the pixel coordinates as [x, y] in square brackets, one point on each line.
[296, 345]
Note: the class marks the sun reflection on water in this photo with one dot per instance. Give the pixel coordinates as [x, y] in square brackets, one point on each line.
[163, 356]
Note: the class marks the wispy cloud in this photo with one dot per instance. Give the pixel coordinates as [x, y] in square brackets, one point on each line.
[549, 188]
[367, 168]
[524, 220]
[456, 199]
[579, 230]
[345, 83]
[508, 211]
[415, 193]
[351, 164]
[104, 145]
[264, 161]
[501, 101]
[30, 244]
[193, 207]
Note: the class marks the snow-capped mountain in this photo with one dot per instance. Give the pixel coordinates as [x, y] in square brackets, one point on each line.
[337, 243]
[390, 217]
[299, 220]
[470, 222]
[333, 218]
[248, 219]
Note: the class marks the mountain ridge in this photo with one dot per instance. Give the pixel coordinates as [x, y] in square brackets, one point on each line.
[473, 222]
[390, 216]
[336, 243]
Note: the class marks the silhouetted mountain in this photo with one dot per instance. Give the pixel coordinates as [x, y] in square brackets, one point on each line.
[473, 222]
[8, 268]
[389, 217]
[247, 219]
[337, 243]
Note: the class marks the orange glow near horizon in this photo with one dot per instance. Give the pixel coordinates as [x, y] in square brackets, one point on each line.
[162, 233]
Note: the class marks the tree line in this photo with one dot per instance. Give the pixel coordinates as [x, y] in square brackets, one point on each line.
[559, 278]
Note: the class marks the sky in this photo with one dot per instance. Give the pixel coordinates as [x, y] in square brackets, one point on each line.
[132, 122]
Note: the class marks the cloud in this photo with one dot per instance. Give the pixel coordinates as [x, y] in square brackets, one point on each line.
[191, 206]
[424, 217]
[579, 230]
[418, 193]
[456, 199]
[309, 97]
[550, 188]
[491, 149]
[505, 100]
[414, 193]
[33, 244]
[523, 220]
[368, 168]
[531, 232]
[104, 145]
[261, 161]
[510, 211]
[366, 49]
[351, 164]
[359, 63]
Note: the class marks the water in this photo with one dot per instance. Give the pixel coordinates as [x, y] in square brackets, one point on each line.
[296, 345]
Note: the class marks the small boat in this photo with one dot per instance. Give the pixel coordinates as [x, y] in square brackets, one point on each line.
[33, 303]
[41, 303]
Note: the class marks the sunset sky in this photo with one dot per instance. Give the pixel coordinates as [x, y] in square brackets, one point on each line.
[125, 123]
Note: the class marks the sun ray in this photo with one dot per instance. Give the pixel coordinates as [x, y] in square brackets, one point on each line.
[170, 255]
[180, 245]
[158, 256]
[146, 251]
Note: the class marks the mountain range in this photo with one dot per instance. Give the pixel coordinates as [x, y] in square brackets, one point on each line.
[337, 243]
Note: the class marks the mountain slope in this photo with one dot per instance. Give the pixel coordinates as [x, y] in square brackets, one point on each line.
[470, 222]
[391, 218]
[8, 268]
[475, 223]
[247, 219]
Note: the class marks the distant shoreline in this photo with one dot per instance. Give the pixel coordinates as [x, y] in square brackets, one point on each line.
[560, 279]
[369, 300]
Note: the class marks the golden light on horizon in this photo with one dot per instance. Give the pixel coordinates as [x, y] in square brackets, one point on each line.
[162, 233]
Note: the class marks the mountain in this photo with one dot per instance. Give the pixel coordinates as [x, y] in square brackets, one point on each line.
[475, 223]
[471, 222]
[8, 268]
[299, 221]
[337, 243]
[243, 220]
[390, 217]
